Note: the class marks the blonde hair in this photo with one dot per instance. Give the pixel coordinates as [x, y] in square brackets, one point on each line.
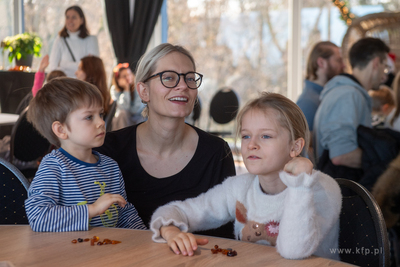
[381, 97]
[56, 100]
[396, 90]
[147, 64]
[290, 115]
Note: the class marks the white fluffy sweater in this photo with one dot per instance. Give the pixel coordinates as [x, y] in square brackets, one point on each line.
[300, 221]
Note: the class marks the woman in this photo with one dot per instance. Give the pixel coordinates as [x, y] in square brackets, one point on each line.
[163, 158]
[91, 70]
[73, 43]
[129, 104]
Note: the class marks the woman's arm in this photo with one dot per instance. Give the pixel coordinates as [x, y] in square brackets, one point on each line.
[55, 56]
[92, 46]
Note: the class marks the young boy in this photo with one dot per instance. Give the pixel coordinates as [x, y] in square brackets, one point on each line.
[75, 187]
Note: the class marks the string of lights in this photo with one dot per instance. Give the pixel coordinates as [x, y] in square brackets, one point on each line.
[345, 13]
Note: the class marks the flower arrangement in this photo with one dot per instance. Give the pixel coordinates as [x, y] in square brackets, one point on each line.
[22, 45]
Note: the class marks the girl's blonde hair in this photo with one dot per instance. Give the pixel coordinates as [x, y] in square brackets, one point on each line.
[290, 115]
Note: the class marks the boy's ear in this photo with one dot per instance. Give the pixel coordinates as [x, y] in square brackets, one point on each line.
[59, 130]
[143, 91]
[297, 147]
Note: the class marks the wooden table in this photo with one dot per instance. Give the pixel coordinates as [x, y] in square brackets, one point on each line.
[8, 119]
[23, 247]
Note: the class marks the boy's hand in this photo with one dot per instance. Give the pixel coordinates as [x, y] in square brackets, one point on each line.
[181, 242]
[298, 165]
[104, 202]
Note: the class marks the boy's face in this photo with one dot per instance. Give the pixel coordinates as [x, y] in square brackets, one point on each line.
[85, 128]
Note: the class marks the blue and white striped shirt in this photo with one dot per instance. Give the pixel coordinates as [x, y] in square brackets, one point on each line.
[62, 187]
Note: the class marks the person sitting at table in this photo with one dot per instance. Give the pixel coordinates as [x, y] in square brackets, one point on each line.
[91, 70]
[40, 75]
[75, 187]
[129, 104]
[281, 202]
[163, 158]
[72, 43]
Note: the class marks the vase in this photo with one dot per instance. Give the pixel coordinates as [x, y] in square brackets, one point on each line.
[24, 61]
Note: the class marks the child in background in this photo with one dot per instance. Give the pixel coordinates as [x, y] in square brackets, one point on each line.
[129, 104]
[281, 202]
[393, 119]
[75, 187]
[40, 75]
[382, 104]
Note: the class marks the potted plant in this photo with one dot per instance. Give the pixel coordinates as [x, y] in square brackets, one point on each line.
[22, 47]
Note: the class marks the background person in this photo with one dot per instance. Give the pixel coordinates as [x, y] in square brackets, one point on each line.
[345, 105]
[91, 70]
[129, 104]
[164, 159]
[324, 62]
[72, 43]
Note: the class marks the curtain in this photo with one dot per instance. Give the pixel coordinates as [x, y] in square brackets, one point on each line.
[130, 40]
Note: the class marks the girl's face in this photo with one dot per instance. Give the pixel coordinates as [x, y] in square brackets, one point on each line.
[125, 77]
[73, 21]
[266, 145]
[177, 102]
[80, 74]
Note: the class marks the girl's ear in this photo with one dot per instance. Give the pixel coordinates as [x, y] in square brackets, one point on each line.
[143, 91]
[59, 130]
[297, 147]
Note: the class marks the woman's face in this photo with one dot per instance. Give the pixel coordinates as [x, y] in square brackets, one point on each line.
[73, 21]
[174, 102]
[125, 77]
[80, 74]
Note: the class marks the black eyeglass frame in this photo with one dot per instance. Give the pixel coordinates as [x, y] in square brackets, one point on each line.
[178, 80]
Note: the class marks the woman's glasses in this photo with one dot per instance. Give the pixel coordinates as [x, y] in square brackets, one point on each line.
[170, 78]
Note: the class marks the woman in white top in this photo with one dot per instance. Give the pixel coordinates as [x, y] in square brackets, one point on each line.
[72, 43]
[129, 104]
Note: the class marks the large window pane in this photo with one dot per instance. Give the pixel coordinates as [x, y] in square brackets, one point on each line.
[6, 28]
[46, 17]
[236, 43]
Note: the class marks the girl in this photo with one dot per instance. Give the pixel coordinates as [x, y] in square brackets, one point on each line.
[393, 119]
[282, 201]
[123, 91]
[91, 70]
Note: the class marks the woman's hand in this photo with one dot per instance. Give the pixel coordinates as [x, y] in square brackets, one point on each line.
[298, 165]
[181, 242]
[104, 202]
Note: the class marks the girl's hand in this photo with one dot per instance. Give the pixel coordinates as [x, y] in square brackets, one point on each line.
[181, 242]
[298, 165]
[124, 84]
[104, 202]
[44, 63]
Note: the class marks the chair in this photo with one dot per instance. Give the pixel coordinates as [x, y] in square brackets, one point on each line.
[363, 238]
[223, 109]
[382, 25]
[110, 115]
[27, 144]
[13, 190]
[24, 103]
